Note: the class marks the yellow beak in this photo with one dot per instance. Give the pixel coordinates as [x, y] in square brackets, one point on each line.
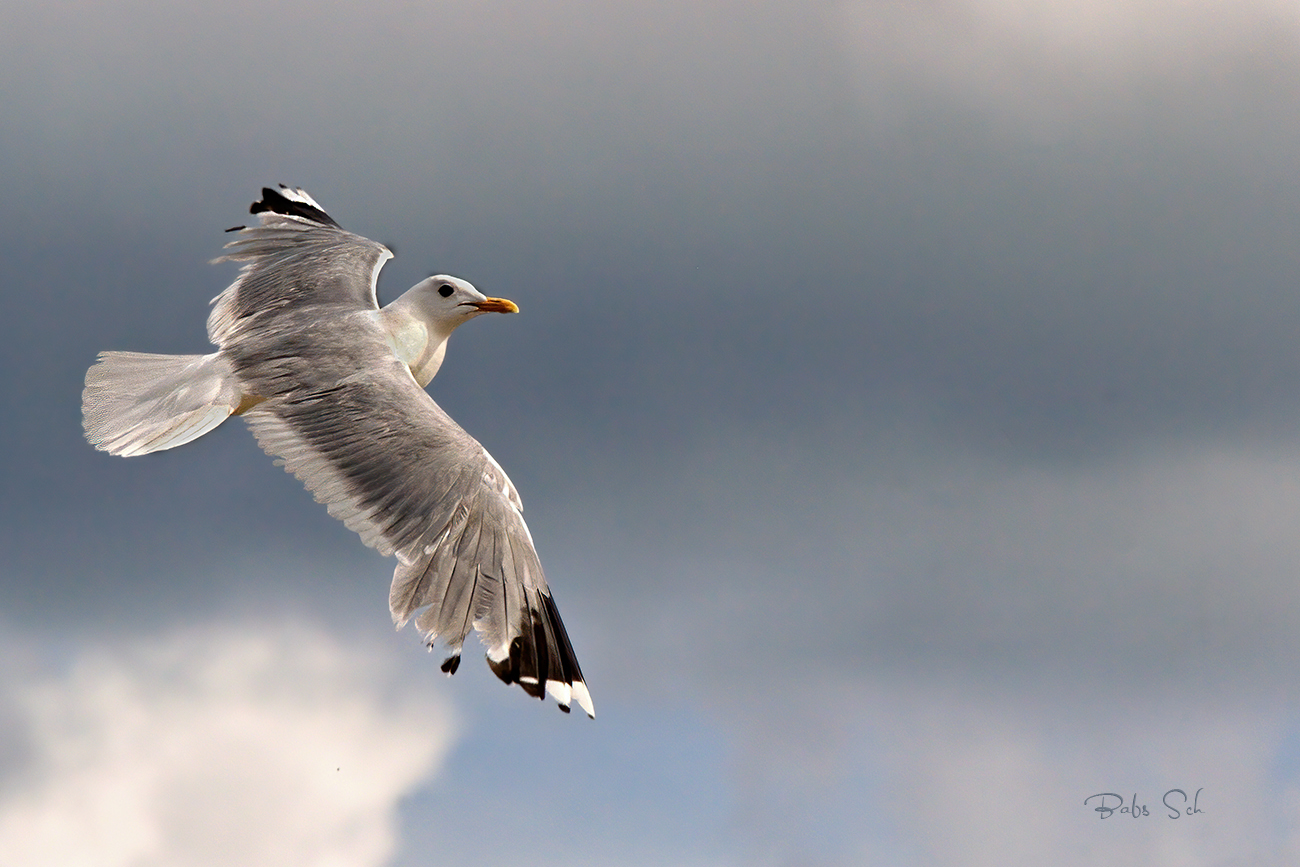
[496, 305]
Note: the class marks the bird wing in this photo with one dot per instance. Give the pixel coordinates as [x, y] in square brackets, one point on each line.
[345, 416]
[296, 256]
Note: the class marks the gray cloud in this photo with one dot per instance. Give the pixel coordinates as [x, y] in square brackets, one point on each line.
[872, 357]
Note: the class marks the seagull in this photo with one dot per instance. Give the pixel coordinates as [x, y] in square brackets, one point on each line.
[333, 386]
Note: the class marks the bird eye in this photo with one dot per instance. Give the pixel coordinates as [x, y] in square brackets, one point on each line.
[445, 290]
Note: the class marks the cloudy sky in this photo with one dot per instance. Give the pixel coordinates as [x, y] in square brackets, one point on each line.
[905, 400]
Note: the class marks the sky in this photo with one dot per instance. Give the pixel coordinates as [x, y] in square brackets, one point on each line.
[904, 398]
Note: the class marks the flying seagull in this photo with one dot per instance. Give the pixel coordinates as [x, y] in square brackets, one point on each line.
[332, 386]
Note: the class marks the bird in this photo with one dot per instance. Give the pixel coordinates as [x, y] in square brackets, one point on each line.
[333, 387]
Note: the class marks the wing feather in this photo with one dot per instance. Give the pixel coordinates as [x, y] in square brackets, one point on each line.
[296, 255]
[386, 460]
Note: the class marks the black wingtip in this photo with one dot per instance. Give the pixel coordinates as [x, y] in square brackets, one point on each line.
[450, 664]
[542, 654]
[296, 204]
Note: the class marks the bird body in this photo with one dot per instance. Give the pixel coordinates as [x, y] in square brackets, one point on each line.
[332, 385]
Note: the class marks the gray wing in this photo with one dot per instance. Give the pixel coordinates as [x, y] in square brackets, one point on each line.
[345, 416]
[296, 256]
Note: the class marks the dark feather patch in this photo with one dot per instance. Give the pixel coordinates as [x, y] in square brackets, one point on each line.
[277, 203]
[540, 654]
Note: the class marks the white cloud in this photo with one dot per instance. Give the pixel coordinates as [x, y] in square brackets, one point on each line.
[218, 746]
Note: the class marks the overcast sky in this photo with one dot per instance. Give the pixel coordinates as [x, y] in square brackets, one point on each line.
[904, 400]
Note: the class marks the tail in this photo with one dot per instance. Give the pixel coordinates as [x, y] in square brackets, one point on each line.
[136, 403]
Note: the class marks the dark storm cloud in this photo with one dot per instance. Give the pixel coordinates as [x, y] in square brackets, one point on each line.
[715, 233]
[731, 200]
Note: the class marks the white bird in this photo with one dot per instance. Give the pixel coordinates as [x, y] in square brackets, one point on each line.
[333, 386]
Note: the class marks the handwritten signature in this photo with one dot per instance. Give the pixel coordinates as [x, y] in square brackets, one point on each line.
[1176, 801]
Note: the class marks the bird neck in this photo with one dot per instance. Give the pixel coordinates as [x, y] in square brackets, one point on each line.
[413, 341]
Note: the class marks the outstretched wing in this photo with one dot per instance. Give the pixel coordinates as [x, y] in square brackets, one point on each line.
[389, 463]
[296, 256]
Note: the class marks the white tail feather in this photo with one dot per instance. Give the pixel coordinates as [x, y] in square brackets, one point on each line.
[136, 403]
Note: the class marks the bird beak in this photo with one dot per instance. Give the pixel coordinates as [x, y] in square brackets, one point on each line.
[495, 305]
